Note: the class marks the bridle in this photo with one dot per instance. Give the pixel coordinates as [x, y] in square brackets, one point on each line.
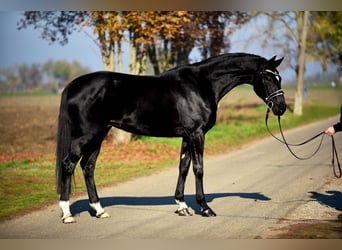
[274, 94]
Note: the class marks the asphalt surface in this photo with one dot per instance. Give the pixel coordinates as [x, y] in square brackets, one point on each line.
[250, 189]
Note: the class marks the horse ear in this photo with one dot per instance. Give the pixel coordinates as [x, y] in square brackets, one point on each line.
[272, 59]
[273, 62]
[278, 62]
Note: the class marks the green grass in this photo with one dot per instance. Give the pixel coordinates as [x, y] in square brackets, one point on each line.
[25, 184]
[28, 183]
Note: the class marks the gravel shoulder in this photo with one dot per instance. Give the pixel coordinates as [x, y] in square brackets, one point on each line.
[318, 218]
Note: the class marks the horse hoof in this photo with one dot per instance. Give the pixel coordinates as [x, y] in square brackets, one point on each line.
[208, 213]
[69, 220]
[185, 212]
[103, 215]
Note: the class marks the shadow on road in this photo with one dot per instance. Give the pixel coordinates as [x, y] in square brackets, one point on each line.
[332, 199]
[83, 205]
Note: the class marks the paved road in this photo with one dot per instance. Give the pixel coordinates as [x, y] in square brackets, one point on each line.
[250, 189]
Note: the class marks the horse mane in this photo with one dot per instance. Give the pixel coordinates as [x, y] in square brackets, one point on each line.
[228, 61]
[227, 57]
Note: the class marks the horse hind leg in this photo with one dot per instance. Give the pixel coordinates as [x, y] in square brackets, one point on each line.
[68, 167]
[69, 163]
[88, 163]
[66, 216]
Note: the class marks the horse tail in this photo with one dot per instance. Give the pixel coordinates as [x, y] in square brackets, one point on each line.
[63, 138]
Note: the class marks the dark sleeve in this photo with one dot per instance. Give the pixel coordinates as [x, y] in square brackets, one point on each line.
[338, 127]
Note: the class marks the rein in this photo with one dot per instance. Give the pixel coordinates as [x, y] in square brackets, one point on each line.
[336, 169]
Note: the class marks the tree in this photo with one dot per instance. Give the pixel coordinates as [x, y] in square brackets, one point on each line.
[215, 36]
[9, 80]
[326, 31]
[57, 70]
[152, 35]
[30, 76]
[299, 96]
[61, 71]
[110, 28]
[166, 38]
[55, 26]
[20, 77]
[326, 36]
[33, 77]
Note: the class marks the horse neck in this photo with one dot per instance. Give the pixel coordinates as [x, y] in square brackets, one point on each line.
[223, 78]
[225, 72]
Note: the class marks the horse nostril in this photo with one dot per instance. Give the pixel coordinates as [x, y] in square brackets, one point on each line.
[282, 109]
[279, 109]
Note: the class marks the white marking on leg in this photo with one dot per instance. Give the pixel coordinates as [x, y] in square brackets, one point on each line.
[65, 206]
[183, 156]
[182, 205]
[183, 209]
[66, 216]
[100, 213]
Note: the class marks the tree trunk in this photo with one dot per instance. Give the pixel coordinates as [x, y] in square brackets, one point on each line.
[153, 56]
[141, 62]
[120, 136]
[132, 55]
[120, 68]
[340, 70]
[137, 59]
[299, 96]
[107, 51]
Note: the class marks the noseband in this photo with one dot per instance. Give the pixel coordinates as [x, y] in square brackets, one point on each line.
[269, 98]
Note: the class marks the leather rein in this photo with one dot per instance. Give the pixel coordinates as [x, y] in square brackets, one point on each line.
[336, 168]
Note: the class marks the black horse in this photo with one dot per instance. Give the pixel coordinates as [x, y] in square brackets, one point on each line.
[181, 102]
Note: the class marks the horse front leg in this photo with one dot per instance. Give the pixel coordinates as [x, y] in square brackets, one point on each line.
[88, 163]
[197, 148]
[184, 164]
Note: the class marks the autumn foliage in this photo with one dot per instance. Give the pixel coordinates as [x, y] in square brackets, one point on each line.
[165, 37]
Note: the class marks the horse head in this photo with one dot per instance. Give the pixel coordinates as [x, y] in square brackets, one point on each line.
[268, 86]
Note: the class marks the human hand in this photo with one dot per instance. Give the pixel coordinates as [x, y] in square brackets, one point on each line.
[330, 131]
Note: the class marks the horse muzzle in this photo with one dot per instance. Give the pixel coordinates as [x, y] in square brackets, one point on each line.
[276, 102]
[278, 108]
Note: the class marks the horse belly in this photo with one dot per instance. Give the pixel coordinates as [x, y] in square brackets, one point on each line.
[150, 124]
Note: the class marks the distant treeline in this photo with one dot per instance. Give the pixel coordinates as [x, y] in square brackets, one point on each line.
[320, 78]
[48, 77]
